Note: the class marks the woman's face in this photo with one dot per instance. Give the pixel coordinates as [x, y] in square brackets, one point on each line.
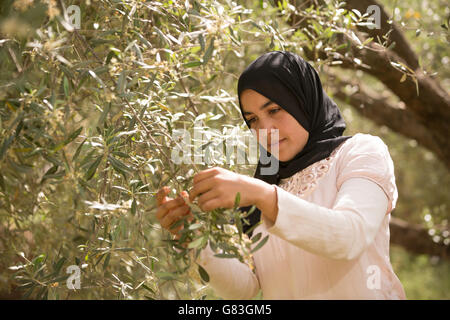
[261, 113]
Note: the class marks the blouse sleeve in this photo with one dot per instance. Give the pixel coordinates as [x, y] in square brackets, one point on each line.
[341, 232]
[229, 278]
[368, 157]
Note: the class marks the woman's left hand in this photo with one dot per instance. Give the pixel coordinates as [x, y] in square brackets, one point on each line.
[218, 187]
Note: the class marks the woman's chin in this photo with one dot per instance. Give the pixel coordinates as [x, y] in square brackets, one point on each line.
[281, 157]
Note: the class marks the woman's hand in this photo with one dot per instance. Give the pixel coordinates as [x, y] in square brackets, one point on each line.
[217, 188]
[171, 210]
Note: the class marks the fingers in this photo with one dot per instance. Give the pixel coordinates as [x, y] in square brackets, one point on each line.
[205, 174]
[161, 195]
[205, 197]
[201, 187]
[176, 232]
[185, 195]
[173, 216]
[171, 210]
[212, 204]
[167, 206]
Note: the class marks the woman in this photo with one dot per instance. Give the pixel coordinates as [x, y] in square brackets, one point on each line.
[326, 209]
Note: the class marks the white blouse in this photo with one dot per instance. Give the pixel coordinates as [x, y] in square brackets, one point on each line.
[331, 236]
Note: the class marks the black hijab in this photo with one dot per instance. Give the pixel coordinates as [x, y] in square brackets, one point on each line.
[293, 84]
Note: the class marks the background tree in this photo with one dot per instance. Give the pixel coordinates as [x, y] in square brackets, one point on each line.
[89, 116]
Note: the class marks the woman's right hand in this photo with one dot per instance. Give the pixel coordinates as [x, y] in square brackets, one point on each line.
[171, 210]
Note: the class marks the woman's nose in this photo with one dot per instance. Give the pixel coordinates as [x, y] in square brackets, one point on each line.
[267, 130]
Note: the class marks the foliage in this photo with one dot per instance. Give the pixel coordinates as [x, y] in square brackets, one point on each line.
[88, 124]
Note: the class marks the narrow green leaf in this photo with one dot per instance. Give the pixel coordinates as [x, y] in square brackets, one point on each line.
[96, 77]
[119, 166]
[142, 38]
[133, 207]
[6, 143]
[209, 52]
[118, 163]
[61, 278]
[52, 160]
[77, 152]
[203, 274]
[121, 82]
[69, 74]
[192, 64]
[2, 183]
[249, 231]
[195, 226]
[49, 172]
[28, 293]
[104, 114]
[99, 259]
[249, 212]
[66, 86]
[110, 55]
[120, 154]
[201, 40]
[91, 171]
[73, 135]
[106, 262]
[177, 223]
[196, 243]
[162, 36]
[256, 25]
[147, 288]
[39, 259]
[237, 200]
[23, 167]
[256, 237]
[260, 244]
[18, 128]
[239, 226]
[225, 255]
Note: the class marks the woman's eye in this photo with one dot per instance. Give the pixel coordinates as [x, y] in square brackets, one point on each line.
[274, 111]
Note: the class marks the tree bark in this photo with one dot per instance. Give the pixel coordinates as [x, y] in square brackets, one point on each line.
[431, 106]
[416, 239]
[383, 113]
[424, 98]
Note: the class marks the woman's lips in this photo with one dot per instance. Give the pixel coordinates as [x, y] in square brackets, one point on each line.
[277, 143]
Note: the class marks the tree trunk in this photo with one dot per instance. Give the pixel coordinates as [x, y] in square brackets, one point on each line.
[415, 239]
[424, 99]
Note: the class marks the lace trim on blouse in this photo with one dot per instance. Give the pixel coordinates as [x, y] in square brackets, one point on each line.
[306, 180]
